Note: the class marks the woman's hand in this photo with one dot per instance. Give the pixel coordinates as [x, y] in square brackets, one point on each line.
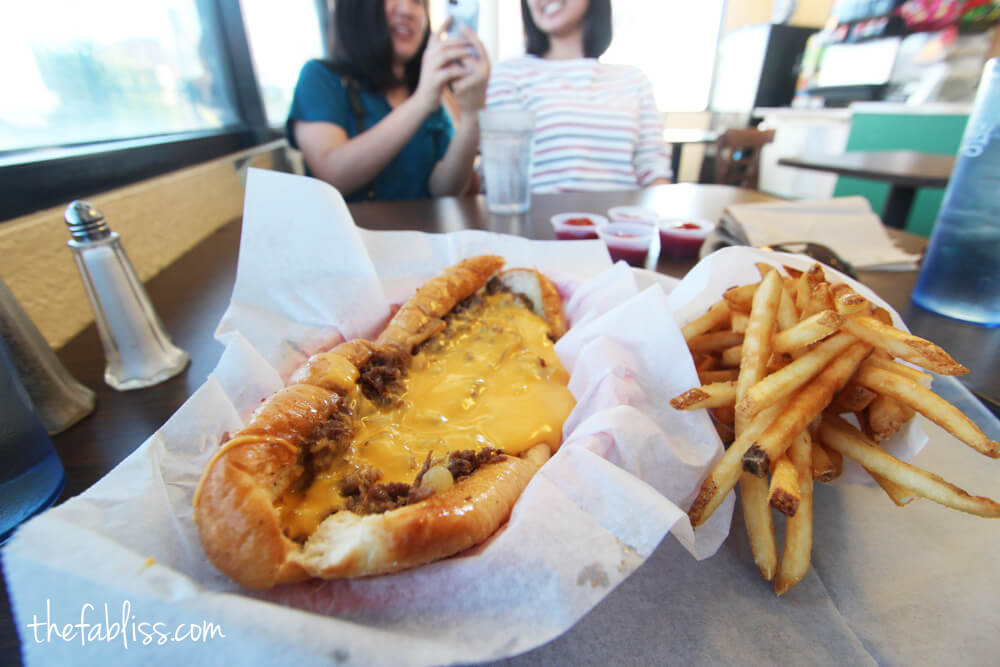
[442, 63]
[470, 88]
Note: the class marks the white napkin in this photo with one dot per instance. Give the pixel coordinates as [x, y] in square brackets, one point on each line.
[847, 225]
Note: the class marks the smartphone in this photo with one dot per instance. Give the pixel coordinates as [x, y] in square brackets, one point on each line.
[463, 13]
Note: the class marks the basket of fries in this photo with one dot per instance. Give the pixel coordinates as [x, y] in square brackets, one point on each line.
[802, 367]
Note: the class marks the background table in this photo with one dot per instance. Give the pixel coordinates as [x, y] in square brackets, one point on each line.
[677, 137]
[905, 171]
[661, 613]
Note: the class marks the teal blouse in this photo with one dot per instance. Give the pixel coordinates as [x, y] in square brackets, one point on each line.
[320, 96]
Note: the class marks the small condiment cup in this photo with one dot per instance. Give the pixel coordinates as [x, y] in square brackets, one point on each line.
[573, 225]
[683, 237]
[633, 214]
[633, 242]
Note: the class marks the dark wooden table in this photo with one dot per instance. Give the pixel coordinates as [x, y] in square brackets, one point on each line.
[905, 171]
[678, 137]
[192, 293]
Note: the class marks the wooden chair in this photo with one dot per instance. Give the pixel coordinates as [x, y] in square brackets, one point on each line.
[737, 156]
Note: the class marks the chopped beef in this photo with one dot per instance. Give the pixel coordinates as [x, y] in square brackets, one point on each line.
[326, 442]
[467, 461]
[495, 286]
[364, 495]
[472, 302]
[382, 376]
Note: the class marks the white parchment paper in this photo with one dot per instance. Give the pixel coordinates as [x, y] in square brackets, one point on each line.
[308, 277]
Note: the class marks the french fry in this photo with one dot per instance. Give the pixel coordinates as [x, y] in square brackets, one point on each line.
[788, 314]
[849, 441]
[885, 417]
[731, 356]
[756, 352]
[853, 398]
[783, 493]
[900, 344]
[827, 465]
[848, 302]
[739, 322]
[721, 375]
[759, 524]
[714, 341]
[889, 365]
[803, 350]
[898, 494]
[723, 477]
[763, 268]
[716, 317]
[740, 298]
[793, 376]
[706, 362]
[808, 331]
[792, 271]
[930, 405]
[820, 299]
[883, 316]
[803, 408]
[715, 395]
[796, 555]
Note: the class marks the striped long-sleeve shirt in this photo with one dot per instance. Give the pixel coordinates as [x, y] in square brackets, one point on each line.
[596, 125]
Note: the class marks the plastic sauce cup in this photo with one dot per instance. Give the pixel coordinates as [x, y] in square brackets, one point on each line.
[572, 226]
[683, 237]
[633, 242]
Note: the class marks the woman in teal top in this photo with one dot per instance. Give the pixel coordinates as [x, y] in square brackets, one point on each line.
[388, 75]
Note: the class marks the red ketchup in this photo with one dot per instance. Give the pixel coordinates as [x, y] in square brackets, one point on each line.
[583, 229]
[682, 239]
[633, 256]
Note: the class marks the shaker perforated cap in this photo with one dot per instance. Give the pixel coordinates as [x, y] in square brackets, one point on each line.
[85, 222]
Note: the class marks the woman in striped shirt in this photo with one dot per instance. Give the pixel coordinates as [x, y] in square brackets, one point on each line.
[597, 126]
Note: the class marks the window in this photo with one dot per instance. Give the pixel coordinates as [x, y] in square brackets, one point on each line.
[283, 36]
[84, 72]
[673, 42]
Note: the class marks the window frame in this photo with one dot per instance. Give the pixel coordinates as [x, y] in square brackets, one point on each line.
[39, 178]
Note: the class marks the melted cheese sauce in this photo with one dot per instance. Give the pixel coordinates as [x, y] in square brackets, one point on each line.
[491, 379]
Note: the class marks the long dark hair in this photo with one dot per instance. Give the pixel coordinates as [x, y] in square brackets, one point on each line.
[362, 47]
[596, 30]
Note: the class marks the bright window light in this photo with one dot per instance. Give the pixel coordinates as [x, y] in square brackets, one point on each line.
[79, 72]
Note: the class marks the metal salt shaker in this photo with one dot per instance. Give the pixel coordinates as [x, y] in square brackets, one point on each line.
[59, 400]
[138, 351]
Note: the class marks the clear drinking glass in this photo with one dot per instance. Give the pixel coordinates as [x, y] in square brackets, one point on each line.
[505, 144]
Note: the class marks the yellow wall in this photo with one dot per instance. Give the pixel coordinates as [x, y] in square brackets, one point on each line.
[810, 13]
[159, 220]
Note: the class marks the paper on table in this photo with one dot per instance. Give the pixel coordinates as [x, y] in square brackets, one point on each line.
[733, 266]
[846, 224]
[306, 277]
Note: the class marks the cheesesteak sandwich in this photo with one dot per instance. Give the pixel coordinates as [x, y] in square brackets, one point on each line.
[387, 454]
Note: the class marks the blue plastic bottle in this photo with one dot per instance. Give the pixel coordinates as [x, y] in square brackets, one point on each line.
[960, 277]
[31, 475]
